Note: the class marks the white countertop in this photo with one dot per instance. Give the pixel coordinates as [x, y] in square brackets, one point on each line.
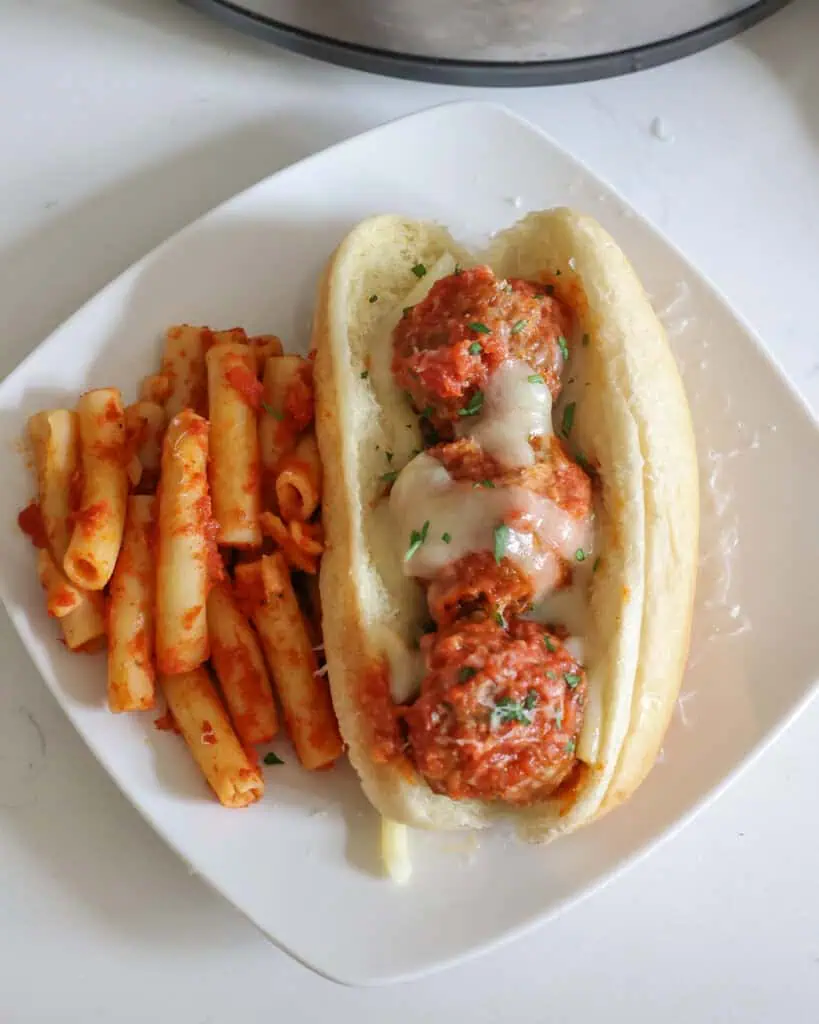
[121, 121]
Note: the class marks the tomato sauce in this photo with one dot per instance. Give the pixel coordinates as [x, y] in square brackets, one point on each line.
[30, 521]
[246, 384]
[375, 699]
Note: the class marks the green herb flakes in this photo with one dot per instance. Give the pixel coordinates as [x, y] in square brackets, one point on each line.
[473, 406]
[501, 538]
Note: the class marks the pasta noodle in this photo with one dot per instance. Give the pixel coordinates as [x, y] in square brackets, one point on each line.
[185, 557]
[84, 628]
[300, 543]
[234, 456]
[131, 673]
[298, 480]
[144, 427]
[62, 597]
[99, 521]
[55, 443]
[205, 727]
[287, 408]
[264, 347]
[183, 365]
[240, 669]
[304, 694]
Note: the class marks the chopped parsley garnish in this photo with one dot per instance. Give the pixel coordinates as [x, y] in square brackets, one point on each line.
[582, 461]
[568, 419]
[473, 406]
[550, 646]
[466, 673]
[271, 758]
[572, 679]
[535, 378]
[373, 298]
[475, 348]
[596, 565]
[563, 346]
[446, 537]
[585, 340]
[569, 748]
[507, 710]
[390, 477]
[580, 555]
[419, 270]
[498, 617]
[518, 326]
[550, 675]
[405, 311]
[501, 539]
[364, 374]
[417, 538]
[427, 413]
[272, 412]
[479, 328]
[458, 269]
[488, 484]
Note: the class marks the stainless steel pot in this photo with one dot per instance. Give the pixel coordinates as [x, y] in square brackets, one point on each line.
[494, 42]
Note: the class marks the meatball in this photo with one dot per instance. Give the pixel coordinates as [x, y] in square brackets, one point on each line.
[447, 346]
[498, 714]
[478, 582]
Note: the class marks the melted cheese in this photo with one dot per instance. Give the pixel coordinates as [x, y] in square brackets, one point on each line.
[517, 406]
[457, 518]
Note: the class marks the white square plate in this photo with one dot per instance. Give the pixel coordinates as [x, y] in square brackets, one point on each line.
[303, 863]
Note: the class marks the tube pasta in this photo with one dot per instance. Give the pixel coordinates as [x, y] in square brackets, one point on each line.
[144, 427]
[234, 457]
[304, 694]
[232, 775]
[300, 543]
[55, 443]
[84, 628]
[126, 548]
[287, 407]
[265, 346]
[156, 388]
[185, 547]
[298, 480]
[131, 673]
[240, 668]
[62, 597]
[183, 364]
[99, 521]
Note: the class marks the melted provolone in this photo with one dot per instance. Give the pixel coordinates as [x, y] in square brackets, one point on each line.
[517, 406]
[456, 518]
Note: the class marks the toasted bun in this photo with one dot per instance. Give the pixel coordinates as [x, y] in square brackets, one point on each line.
[631, 420]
